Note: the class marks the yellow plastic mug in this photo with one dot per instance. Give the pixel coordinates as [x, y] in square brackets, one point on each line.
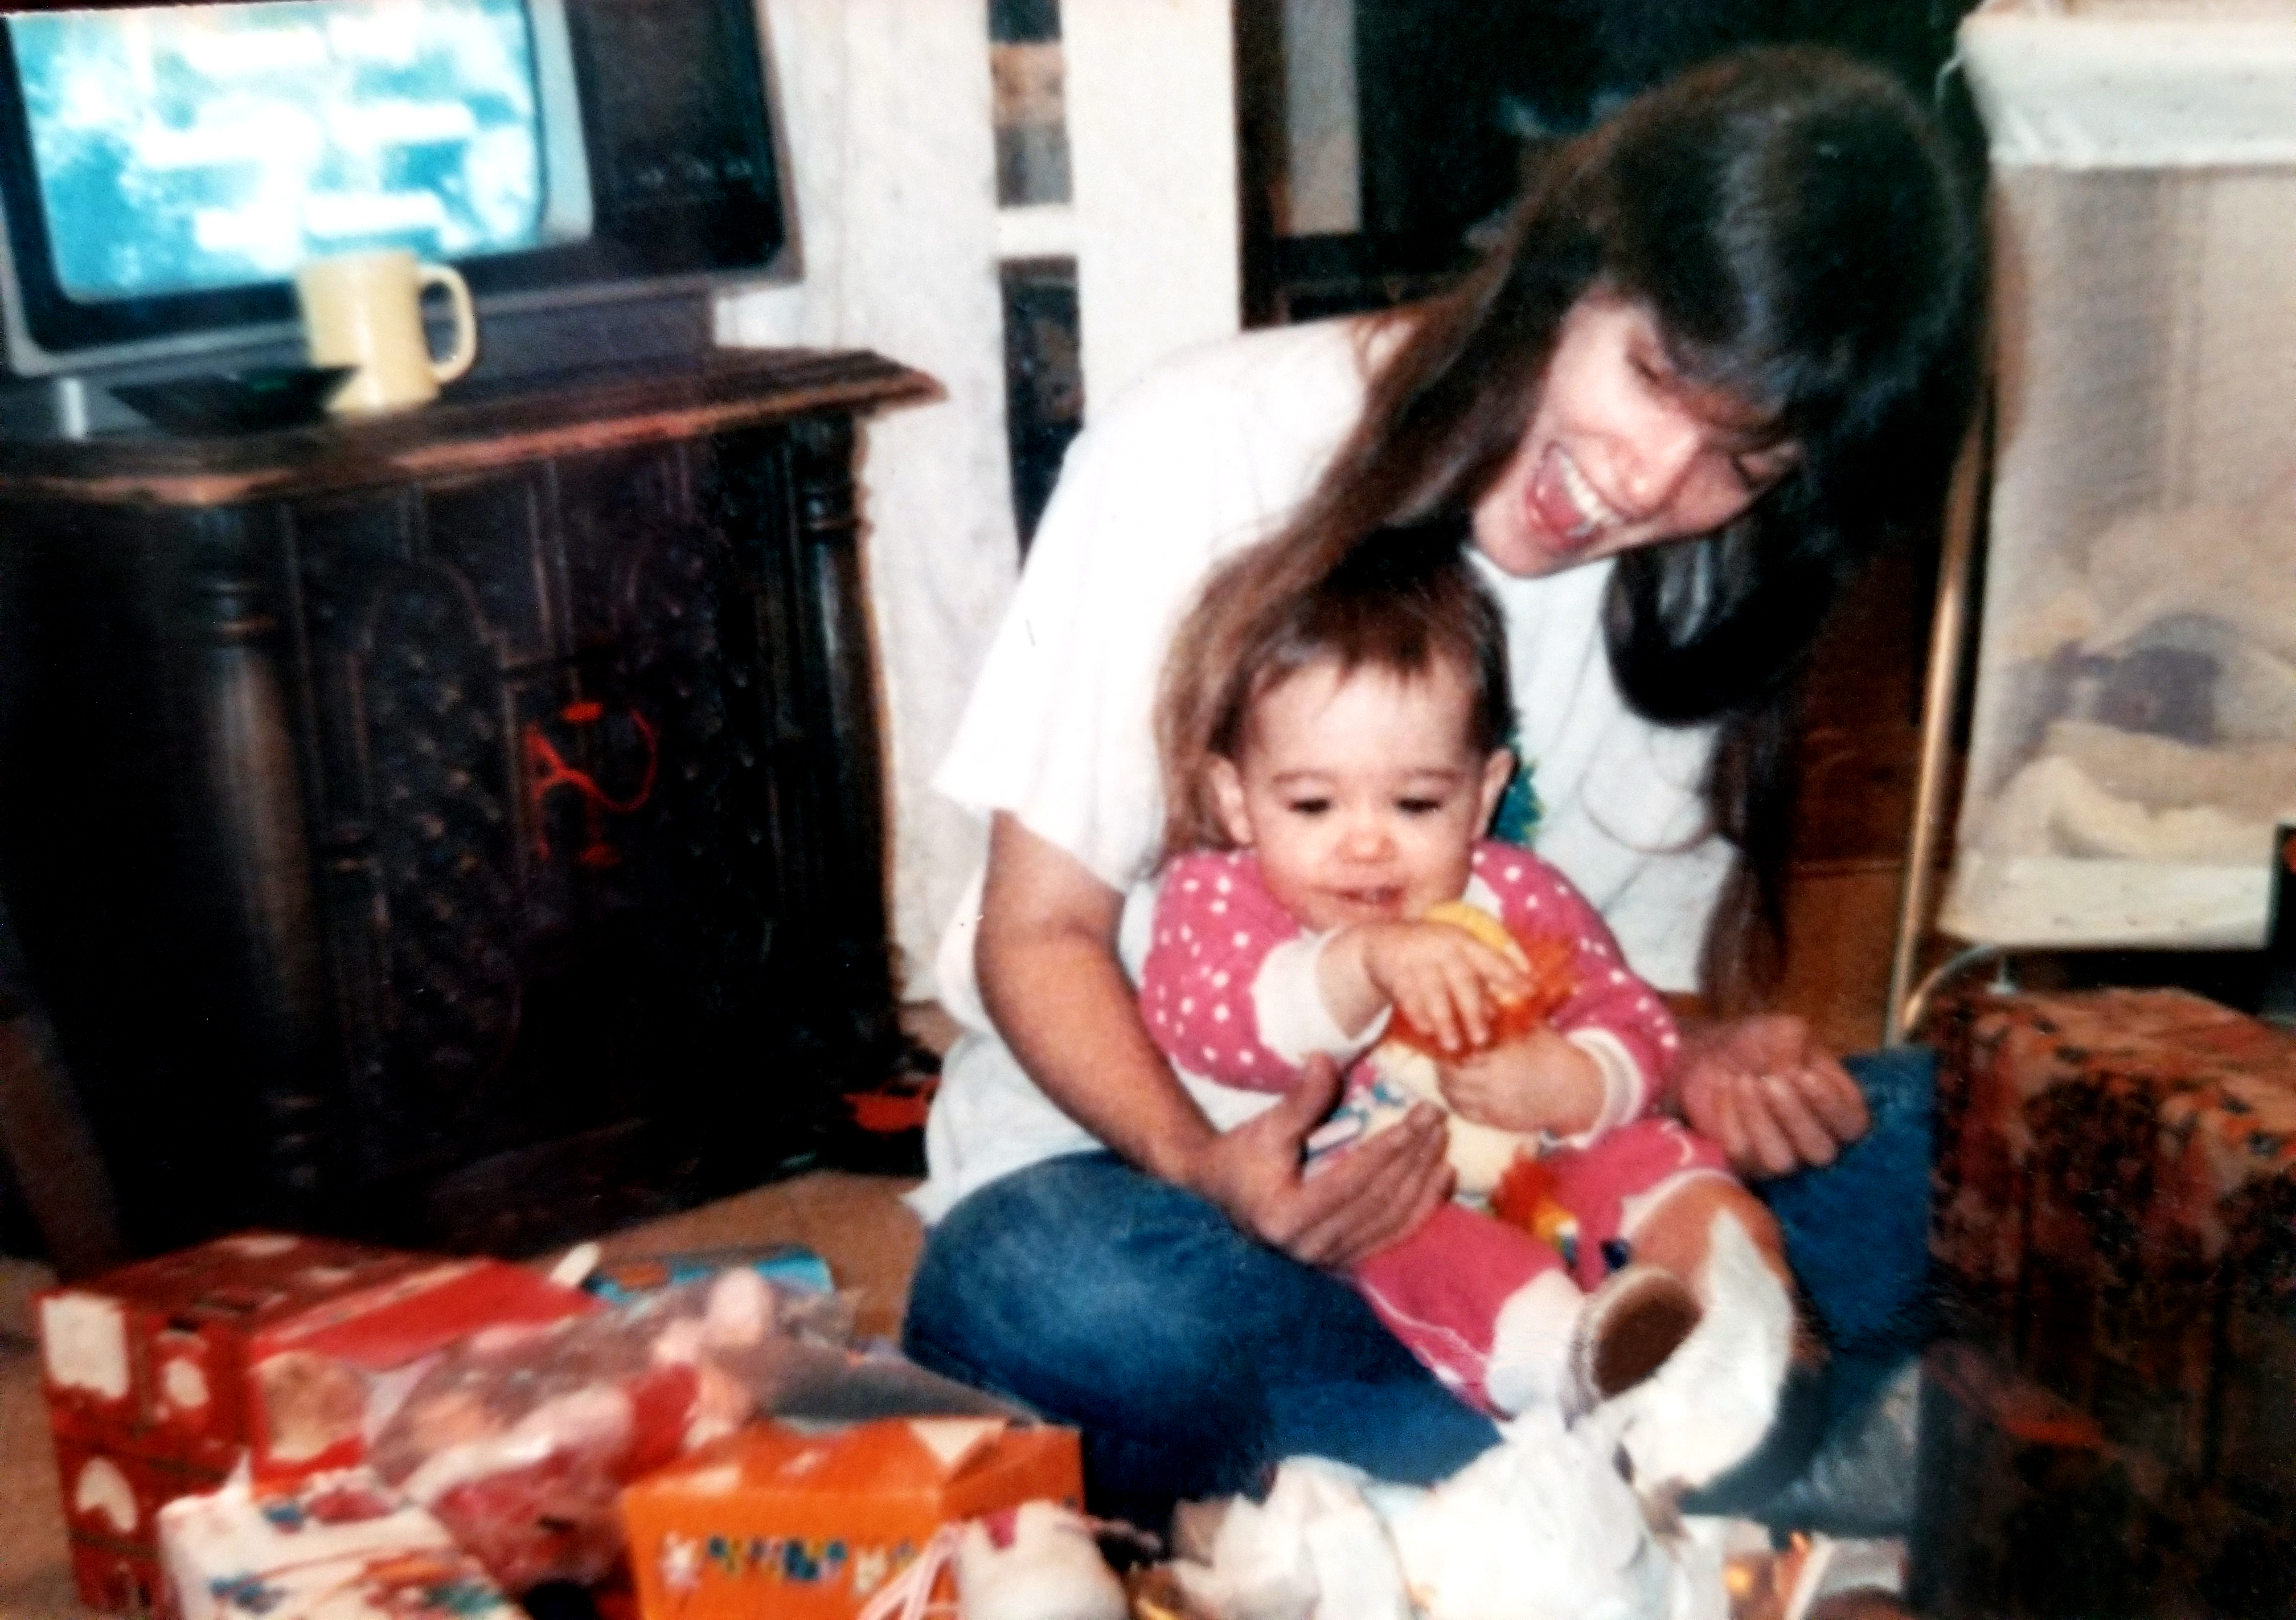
[366, 311]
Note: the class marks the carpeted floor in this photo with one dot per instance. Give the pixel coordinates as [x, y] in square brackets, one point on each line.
[35, 1583]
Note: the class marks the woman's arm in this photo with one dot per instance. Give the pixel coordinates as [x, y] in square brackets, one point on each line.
[1052, 983]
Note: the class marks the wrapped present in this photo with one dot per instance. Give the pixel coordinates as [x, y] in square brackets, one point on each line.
[144, 1370]
[809, 1526]
[2114, 1225]
[336, 1544]
[786, 1265]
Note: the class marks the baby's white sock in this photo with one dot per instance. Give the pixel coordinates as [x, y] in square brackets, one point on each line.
[1531, 1345]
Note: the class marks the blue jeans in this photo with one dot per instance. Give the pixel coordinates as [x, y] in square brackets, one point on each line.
[1193, 1358]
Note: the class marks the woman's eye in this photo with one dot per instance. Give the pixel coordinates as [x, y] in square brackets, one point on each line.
[1758, 470]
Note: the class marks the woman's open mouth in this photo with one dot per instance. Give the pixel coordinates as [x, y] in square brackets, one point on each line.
[1565, 504]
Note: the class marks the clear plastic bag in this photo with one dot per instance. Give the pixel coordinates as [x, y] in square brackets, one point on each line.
[519, 1439]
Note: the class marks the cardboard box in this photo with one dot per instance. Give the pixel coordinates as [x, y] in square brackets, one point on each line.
[144, 1370]
[807, 1526]
[336, 1544]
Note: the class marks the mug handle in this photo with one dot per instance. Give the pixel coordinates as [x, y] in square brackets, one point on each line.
[466, 320]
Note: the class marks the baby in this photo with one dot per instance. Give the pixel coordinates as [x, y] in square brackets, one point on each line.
[1330, 777]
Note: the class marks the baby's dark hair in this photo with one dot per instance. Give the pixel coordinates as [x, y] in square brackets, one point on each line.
[1405, 600]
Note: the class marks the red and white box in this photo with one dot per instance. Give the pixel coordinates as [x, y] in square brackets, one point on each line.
[112, 1507]
[145, 1373]
[151, 1358]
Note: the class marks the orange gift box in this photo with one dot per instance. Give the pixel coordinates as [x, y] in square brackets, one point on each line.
[806, 1527]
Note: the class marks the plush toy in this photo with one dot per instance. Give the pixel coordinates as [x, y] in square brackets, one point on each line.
[1407, 1061]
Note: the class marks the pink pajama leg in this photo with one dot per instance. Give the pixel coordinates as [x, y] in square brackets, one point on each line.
[1486, 1307]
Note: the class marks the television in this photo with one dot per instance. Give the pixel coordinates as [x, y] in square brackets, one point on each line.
[595, 169]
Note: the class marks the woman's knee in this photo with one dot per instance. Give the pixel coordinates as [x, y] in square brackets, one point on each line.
[1085, 1287]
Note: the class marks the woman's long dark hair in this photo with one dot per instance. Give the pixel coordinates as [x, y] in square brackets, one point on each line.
[1793, 222]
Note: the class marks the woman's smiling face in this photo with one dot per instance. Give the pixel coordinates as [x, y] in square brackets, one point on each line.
[1621, 451]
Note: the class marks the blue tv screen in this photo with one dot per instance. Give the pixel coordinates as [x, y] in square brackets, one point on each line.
[180, 149]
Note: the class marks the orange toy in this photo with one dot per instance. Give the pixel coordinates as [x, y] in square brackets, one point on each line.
[1525, 1198]
[1544, 959]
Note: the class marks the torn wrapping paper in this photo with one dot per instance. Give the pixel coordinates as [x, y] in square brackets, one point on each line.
[324, 1381]
[1542, 1526]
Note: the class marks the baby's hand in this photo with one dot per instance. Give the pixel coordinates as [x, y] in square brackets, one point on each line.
[1535, 1082]
[1441, 979]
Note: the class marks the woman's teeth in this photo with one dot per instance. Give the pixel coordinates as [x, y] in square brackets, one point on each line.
[1595, 513]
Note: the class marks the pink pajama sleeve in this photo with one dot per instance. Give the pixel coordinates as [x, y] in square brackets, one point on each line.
[1216, 926]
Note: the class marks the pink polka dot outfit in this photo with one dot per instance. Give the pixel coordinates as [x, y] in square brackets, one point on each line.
[1228, 992]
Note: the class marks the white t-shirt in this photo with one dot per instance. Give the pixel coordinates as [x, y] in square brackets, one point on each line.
[1206, 454]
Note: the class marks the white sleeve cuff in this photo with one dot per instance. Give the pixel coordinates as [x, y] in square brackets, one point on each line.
[1288, 1001]
[1622, 1084]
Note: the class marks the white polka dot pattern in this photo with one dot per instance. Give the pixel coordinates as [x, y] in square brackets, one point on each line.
[1199, 983]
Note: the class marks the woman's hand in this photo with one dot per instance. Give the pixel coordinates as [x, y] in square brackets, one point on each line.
[1536, 1081]
[1050, 979]
[1774, 1099]
[1357, 1202]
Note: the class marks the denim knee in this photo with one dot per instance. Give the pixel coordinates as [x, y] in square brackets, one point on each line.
[1084, 1290]
[1857, 1231]
[1190, 1355]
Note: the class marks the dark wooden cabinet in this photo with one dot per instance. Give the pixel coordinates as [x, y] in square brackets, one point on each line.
[463, 827]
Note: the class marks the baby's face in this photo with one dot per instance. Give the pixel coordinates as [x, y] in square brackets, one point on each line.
[1361, 793]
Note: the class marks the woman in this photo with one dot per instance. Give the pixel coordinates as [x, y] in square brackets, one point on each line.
[1722, 350]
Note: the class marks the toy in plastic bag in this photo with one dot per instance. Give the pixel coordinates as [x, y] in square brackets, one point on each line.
[518, 1439]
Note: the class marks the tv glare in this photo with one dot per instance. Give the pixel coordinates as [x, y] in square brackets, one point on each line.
[594, 167]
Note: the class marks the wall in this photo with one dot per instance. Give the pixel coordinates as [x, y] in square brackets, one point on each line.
[886, 106]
